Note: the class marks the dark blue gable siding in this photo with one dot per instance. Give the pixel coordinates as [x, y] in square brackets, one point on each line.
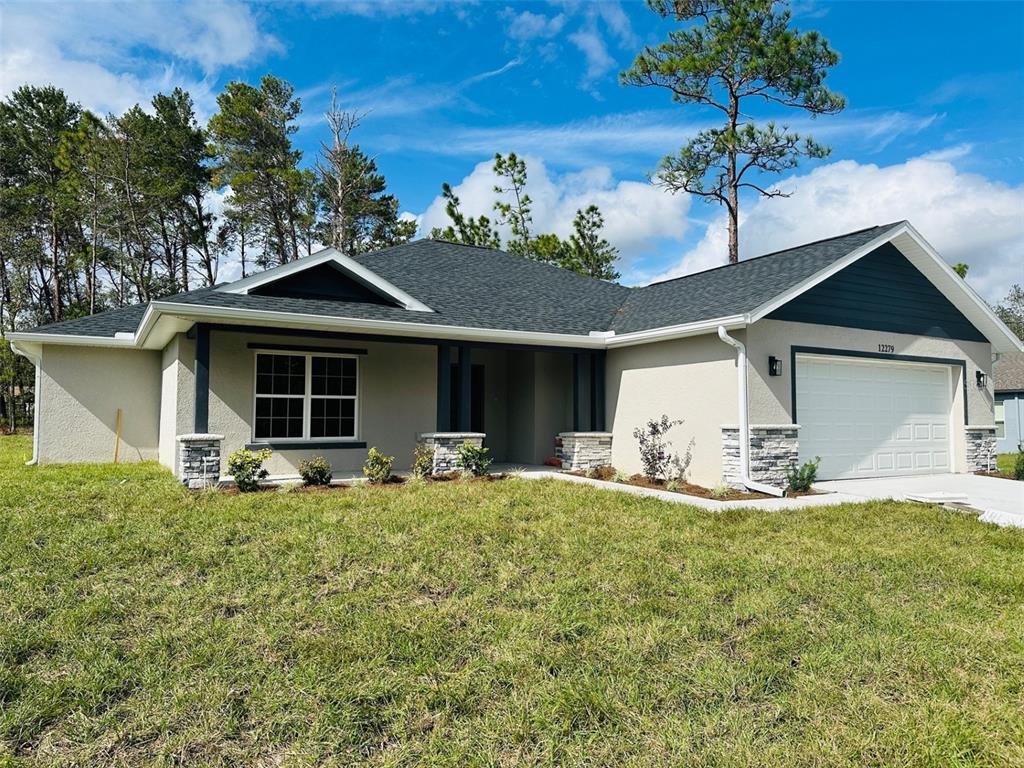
[881, 292]
[323, 281]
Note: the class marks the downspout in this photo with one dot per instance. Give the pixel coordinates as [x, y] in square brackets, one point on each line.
[38, 363]
[744, 434]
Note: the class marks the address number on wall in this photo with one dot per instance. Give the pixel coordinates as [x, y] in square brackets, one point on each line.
[886, 348]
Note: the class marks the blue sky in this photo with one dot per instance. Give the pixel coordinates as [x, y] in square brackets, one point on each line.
[934, 130]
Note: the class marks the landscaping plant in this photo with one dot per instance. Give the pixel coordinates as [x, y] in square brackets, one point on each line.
[316, 471]
[422, 462]
[246, 467]
[378, 467]
[1018, 468]
[473, 459]
[801, 478]
[656, 456]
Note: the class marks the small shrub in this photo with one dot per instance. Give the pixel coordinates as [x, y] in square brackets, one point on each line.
[473, 459]
[378, 467]
[1018, 468]
[802, 478]
[422, 462]
[672, 485]
[246, 467]
[656, 457]
[620, 477]
[720, 491]
[316, 471]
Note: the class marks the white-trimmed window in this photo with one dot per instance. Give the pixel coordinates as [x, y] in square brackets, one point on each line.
[305, 396]
[1000, 419]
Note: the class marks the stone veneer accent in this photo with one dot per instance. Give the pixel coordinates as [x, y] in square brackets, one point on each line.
[199, 460]
[773, 447]
[981, 448]
[584, 450]
[446, 445]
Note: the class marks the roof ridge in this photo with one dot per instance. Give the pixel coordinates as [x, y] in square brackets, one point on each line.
[775, 253]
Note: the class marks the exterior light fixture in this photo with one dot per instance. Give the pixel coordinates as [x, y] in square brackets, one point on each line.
[774, 366]
[982, 379]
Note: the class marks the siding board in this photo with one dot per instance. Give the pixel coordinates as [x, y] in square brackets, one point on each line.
[881, 292]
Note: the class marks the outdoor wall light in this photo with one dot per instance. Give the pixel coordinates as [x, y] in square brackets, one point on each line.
[982, 379]
[774, 366]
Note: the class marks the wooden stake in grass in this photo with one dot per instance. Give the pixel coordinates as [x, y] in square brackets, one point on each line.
[117, 438]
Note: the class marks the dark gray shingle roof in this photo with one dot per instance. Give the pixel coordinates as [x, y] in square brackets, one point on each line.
[1008, 372]
[487, 288]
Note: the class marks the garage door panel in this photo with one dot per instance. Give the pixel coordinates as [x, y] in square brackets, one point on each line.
[868, 418]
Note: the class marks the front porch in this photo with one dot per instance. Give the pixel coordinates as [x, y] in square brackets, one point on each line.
[304, 393]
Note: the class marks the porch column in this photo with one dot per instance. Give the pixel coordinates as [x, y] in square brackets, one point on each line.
[465, 388]
[597, 405]
[444, 387]
[577, 405]
[202, 379]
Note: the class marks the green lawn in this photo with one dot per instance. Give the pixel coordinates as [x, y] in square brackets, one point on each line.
[506, 623]
[1005, 462]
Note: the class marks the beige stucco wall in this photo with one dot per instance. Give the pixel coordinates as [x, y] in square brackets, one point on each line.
[771, 396]
[397, 398]
[81, 389]
[693, 379]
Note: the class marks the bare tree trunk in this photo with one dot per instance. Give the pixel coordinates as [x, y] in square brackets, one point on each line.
[55, 264]
[92, 266]
[733, 204]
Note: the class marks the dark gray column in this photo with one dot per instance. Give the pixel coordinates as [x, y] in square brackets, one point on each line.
[201, 423]
[444, 387]
[577, 406]
[598, 392]
[465, 387]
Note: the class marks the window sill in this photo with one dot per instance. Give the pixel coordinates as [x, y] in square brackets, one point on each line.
[305, 445]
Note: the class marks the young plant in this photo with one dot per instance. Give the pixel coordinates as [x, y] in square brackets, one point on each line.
[656, 456]
[802, 478]
[473, 459]
[246, 467]
[1018, 467]
[378, 467]
[316, 471]
[422, 462]
[720, 491]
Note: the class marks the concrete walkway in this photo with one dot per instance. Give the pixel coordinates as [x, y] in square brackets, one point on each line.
[999, 500]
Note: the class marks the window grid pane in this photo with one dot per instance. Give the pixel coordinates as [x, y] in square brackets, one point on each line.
[281, 397]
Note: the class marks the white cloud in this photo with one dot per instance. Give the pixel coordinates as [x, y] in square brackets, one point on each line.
[111, 56]
[592, 46]
[637, 215]
[967, 217]
[529, 26]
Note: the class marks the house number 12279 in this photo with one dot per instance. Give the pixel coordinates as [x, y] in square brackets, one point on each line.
[886, 348]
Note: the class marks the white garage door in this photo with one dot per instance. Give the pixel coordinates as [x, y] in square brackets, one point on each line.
[873, 419]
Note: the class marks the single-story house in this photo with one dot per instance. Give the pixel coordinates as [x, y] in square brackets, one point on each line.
[1009, 391]
[865, 349]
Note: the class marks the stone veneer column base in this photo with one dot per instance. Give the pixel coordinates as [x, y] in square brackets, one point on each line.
[446, 446]
[773, 447]
[981, 448]
[584, 450]
[199, 460]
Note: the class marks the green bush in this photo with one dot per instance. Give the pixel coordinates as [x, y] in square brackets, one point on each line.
[1018, 468]
[802, 478]
[246, 467]
[378, 467]
[473, 459]
[720, 491]
[422, 461]
[316, 471]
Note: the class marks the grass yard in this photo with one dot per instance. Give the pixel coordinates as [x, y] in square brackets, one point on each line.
[1005, 462]
[505, 623]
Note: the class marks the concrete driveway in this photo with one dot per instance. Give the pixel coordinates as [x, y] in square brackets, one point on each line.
[1000, 501]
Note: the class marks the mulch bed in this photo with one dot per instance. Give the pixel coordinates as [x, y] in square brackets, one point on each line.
[689, 489]
[1003, 475]
[446, 477]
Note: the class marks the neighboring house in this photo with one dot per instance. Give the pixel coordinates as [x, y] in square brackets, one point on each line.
[1009, 389]
[865, 349]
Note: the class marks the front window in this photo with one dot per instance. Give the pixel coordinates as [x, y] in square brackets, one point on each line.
[1000, 419]
[305, 396]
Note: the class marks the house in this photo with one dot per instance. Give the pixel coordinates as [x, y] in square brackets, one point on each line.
[1009, 410]
[865, 349]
